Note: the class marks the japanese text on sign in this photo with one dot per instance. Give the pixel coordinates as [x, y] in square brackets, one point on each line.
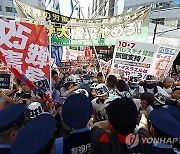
[20, 49]
[133, 57]
[103, 31]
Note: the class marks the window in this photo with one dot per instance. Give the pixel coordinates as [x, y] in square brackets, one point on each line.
[8, 9]
[0, 8]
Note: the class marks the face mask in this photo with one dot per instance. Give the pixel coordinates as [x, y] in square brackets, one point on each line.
[85, 81]
[133, 85]
[149, 86]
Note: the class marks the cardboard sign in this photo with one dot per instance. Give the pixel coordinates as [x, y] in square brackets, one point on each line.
[164, 60]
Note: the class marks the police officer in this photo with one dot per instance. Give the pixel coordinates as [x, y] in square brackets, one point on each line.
[36, 137]
[165, 129]
[76, 113]
[11, 120]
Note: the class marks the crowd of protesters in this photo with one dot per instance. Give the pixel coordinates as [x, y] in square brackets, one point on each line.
[93, 114]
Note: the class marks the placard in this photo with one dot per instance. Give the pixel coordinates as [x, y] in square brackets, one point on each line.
[6, 81]
[133, 57]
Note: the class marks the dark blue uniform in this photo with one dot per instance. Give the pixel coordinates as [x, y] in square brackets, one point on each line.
[36, 137]
[5, 148]
[11, 117]
[166, 120]
[76, 113]
[77, 142]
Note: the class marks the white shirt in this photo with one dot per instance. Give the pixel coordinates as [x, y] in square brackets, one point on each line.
[169, 91]
[100, 112]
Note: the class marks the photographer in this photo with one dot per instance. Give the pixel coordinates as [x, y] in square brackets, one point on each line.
[25, 95]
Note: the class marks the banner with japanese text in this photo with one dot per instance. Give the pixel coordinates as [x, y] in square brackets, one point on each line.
[133, 57]
[129, 26]
[164, 60]
[24, 47]
[103, 32]
[38, 15]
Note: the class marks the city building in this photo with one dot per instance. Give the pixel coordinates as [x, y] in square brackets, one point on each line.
[102, 8]
[6, 7]
[164, 13]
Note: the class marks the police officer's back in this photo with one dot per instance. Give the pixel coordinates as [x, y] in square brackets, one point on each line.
[76, 113]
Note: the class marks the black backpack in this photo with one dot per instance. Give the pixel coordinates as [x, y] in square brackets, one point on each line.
[114, 146]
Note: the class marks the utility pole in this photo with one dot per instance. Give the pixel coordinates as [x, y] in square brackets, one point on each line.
[156, 21]
[155, 29]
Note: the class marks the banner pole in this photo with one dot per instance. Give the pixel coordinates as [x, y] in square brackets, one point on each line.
[13, 8]
[50, 69]
[91, 39]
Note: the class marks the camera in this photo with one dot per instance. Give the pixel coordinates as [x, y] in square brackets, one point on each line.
[22, 94]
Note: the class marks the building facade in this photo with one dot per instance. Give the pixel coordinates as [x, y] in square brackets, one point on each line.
[6, 6]
[164, 13]
[102, 8]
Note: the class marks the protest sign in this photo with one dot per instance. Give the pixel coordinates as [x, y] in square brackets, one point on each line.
[24, 47]
[133, 57]
[105, 66]
[164, 60]
[6, 81]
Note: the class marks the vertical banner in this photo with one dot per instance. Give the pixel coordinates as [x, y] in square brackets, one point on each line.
[56, 53]
[164, 60]
[133, 57]
[24, 47]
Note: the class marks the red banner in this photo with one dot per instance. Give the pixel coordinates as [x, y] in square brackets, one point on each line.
[24, 47]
